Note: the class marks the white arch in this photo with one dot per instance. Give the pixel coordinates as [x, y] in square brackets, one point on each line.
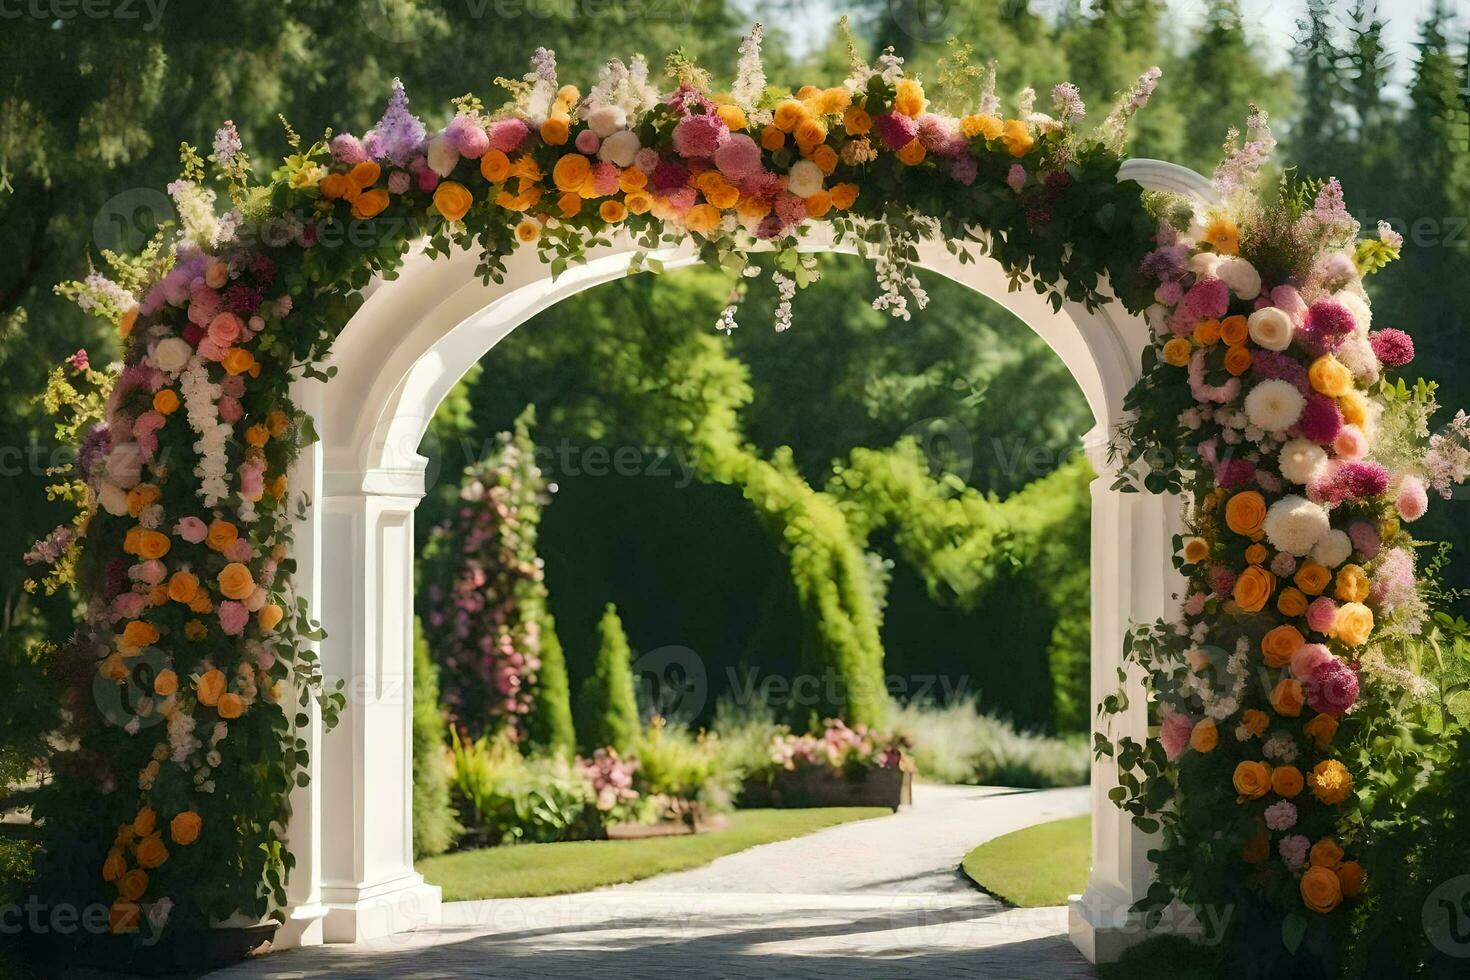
[396, 360]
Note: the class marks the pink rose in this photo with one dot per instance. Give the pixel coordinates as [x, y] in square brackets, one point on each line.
[239, 550]
[1308, 658]
[230, 410]
[225, 329]
[233, 385]
[1322, 615]
[150, 572]
[232, 617]
[129, 605]
[1174, 734]
[191, 529]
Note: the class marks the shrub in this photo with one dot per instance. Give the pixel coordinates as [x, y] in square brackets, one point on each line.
[745, 731]
[434, 823]
[684, 768]
[507, 798]
[960, 744]
[609, 703]
[550, 724]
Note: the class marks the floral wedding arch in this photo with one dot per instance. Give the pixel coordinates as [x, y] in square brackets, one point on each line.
[196, 780]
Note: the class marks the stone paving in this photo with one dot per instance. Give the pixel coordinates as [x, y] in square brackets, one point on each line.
[874, 899]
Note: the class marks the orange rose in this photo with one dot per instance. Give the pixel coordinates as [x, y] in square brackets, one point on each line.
[1353, 584]
[912, 154]
[270, 616]
[166, 401]
[166, 684]
[230, 706]
[613, 211]
[184, 828]
[141, 496]
[632, 179]
[1326, 853]
[1252, 779]
[257, 435]
[1351, 877]
[1321, 891]
[201, 602]
[370, 204]
[1257, 554]
[555, 130]
[834, 100]
[138, 634]
[732, 115]
[115, 866]
[153, 544]
[365, 174]
[221, 535]
[132, 885]
[1238, 360]
[1321, 730]
[1246, 513]
[844, 196]
[1287, 698]
[703, 218]
[809, 132]
[1354, 625]
[1292, 603]
[789, 114]
[150, 851]
[908, 98]
[1253, 589]
[1287, 781]
[495, 166]
[453, 200]
[235, 581]
[986, 127]
[1312, 578]
[818, 204]
[1255, 721]
[145, 822]
[1017, 137]
[1207, 332]
[1279, 644]
[1234, 330]
[210, 686]
[1205, 736]
[569, 204]
[528, 230]
[238, 361]
[1177, 352]
[825, 158]
[638, 202]
[182, 587]
[724, 196]
[753, 209]
[856, 121]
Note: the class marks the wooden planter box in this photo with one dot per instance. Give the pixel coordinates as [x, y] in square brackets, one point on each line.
[811, 786]
[666, 828]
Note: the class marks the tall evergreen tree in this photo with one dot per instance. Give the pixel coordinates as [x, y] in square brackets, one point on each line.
[1321, 129]
[434, 820]
[550, 724]
[609, 706]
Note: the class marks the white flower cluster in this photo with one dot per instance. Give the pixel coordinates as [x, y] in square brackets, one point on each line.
[621, 95]
[896, 277]
[750, 76]
[785, 289]
[201, 400]
[197, 219]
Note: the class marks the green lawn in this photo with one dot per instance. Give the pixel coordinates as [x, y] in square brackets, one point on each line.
[1035, 867]
[528, 870]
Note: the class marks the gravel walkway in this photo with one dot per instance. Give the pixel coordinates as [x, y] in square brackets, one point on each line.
[875, 899]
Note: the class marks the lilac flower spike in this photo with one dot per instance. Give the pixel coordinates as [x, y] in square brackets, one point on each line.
[399, 135]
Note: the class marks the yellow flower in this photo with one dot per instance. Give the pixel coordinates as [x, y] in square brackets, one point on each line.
[166, 401]
[638, 202]
[789, 114]
[182, 587]
[703, 218]
[1352, 584]
[1017, 137]
[453, 200]
[230, 706]
[613, 211]
[1291, 602]
[364, 175]
[1354, 624]
[1245, 514]
[1330, 781]
[1234, 330]
[166, 684]
[1223, 236]
[1354, 408]
[555, 129]
[913, 153]
[856, 121]
[528, 230]
[818, 204]
[909, 98]
[988, 127]
[1287, 698]
[834, 100]
[1321, 730]
[571, 172]
[1207, 333]
[772, 138]
[1312, 578]
[1328, 375]
[1177, 352]
[1257, 554]
[733, 116]
[1196, 550]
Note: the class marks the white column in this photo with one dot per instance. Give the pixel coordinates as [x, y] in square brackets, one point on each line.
[1132, 581]
[369, 886]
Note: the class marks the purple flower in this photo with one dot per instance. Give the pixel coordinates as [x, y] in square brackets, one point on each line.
[1393, 347]
[468, 137]
[939, 137]
[1366, 539]
[227, 143]
[964, 169]
[1016, 179]
[669, 176]
[1321, 420]
[896, 130]
[1332, 687]
[399, 135]
[699, 136]
[1325, 326]
[1222, 580]
[1235, 472]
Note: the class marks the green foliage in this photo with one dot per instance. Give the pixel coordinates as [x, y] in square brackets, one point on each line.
[608, 709]
[958, 743]
[506, 798]
[688, 768]
[550, 724]
[434, 824]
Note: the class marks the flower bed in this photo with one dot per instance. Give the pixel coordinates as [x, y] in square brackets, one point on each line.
[841, 767]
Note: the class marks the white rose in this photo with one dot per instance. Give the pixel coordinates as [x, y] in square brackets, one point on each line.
[1242, 278]
[604, 120]
[171, 354]
[620, 148]
[1205, 265]
[442, 155]
[1302, 461]
[804, 178]
[1272, 328]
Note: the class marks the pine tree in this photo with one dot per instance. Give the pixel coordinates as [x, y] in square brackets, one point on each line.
[1321, 130]
[609, 706]
[551, 715]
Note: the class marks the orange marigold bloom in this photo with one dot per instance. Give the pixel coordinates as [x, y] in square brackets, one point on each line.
[703, 218]
[638, 202]
[772, 138]
[166, 401]
[569, 204]
[365, 174]
[571, 172]
[370, 204]
[210, 686]
[818, 204]
[555, 130]
[453, 200]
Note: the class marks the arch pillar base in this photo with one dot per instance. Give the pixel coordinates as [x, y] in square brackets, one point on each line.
[364, 914]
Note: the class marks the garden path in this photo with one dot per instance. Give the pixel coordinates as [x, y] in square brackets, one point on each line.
[871, 899]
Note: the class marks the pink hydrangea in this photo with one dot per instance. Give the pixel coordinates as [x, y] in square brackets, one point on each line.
[1393, 347]
[507, 135]
[1016, 179]
[1281, 815]
[1222, 579]
[700, 136]
[1413, 499]
[1207, 298]
[896, 130]
[468, 137]
[738, 157]
[1332, 688]
[1174, 734]
[1322, 615]
[232, 617]
[1293, 851]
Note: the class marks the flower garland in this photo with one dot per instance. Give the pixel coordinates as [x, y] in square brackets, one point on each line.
[1301, 464]
[182, 549]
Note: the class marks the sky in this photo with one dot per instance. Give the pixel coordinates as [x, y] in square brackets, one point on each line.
[1271, 21]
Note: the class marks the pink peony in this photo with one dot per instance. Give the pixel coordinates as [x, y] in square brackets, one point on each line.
[191, 529]
[1174, 734]
[399, 182]
[240, 550]
[230, 410]
[1321, 616]
[507, 135]
[232, 617]
[1332, 688]
[1413, 500]
[1393, 347]
[605, 178]
[468, 137]
[699, 136]
[896, 130]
